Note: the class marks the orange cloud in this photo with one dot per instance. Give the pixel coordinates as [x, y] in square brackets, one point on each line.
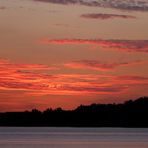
[36, 83]
[5, 64]
[97, 65]
[124, 45]
[132, 79]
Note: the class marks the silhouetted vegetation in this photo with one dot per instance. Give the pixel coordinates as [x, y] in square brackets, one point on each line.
[129, 114]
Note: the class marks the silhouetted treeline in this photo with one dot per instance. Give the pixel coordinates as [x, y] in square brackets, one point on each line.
[129, 114]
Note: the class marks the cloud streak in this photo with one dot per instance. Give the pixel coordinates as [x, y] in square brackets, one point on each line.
[102, 16]
[7, 65]
[130, 5]
[124, 45]
[98, 65]
[36, 83]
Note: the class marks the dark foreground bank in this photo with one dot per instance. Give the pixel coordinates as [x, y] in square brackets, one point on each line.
[129, 114]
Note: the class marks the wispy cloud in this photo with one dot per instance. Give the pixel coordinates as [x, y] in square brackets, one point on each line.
[98, 65]
[124, 45]
[103, 16]
[3, 7]
[36, 83]
[136, 5]
[6, 64]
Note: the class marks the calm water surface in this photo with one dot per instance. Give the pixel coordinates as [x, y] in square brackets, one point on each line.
[38, 137]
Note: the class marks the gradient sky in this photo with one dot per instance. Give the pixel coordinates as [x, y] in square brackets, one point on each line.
[67, 53]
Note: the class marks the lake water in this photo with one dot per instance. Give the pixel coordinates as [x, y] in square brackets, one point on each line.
[47, 137]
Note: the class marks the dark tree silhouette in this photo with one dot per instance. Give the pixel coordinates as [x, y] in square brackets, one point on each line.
[128, 114]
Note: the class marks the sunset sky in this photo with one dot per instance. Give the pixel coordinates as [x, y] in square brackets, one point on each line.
[63, 53]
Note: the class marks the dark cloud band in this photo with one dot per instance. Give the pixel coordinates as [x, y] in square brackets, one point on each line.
[102, 16]
[137, 5]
